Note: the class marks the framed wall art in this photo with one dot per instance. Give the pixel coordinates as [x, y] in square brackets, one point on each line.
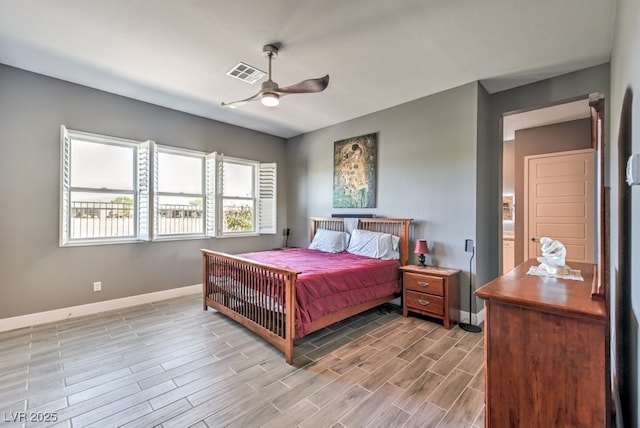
[354, 172]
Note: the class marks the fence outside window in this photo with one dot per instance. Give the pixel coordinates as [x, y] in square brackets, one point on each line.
[180, 219]
[116, 220]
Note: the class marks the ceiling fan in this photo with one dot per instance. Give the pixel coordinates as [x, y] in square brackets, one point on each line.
[271, 93]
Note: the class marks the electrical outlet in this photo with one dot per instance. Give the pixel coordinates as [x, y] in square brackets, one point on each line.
[468, 245]
[97, 286]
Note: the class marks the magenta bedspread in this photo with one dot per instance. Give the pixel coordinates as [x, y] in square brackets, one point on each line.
[329, 282]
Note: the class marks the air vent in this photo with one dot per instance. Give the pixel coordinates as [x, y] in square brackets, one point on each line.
[246, 73]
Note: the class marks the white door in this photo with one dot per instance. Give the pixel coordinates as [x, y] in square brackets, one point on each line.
[560, 193]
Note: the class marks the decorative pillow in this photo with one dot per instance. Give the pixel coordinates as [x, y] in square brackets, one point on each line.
[374, 244]
[329, 241]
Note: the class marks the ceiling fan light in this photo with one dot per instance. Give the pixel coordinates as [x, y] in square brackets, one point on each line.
[270, 99]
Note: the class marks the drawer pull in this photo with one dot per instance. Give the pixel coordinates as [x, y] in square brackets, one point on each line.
[423, 302]
[423, 284]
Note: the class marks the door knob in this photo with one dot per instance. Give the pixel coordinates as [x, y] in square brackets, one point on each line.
[534, 239]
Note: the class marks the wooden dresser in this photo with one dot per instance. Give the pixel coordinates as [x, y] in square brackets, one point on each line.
[431, 291]
[544, 351]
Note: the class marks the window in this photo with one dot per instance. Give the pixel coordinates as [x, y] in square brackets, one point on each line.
[238, 196]
[104, 189]
[180, 192]
[107, 195]
[245, 195]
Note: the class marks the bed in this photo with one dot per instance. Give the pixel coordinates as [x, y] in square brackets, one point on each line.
[286, 294]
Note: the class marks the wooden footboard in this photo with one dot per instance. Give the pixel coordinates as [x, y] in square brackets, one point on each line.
[262, 297]
[258, 296]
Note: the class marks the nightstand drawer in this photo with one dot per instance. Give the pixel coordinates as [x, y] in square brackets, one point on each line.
[424, 283]
[425, 302]
[431, 291]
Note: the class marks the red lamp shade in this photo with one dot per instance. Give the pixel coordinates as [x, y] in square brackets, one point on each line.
[421, 247]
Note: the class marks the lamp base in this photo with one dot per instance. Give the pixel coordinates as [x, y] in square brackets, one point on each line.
[470, 327]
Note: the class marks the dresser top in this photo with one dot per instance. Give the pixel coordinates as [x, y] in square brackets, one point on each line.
[430, 270]
[562, 296]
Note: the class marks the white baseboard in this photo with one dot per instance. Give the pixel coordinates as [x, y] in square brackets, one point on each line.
[464, 316]
[476, 320]
[22, 321]
[29, 320]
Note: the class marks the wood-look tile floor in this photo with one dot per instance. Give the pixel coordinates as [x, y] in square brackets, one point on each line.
[171, 364]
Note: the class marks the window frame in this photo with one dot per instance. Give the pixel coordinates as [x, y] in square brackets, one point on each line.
[139, 191]
[221, 197]
[264, 183]
[157, 236]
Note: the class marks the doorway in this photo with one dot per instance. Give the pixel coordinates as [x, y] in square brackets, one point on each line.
[551, 129]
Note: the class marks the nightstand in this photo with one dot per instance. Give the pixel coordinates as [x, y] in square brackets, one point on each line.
[431, 291]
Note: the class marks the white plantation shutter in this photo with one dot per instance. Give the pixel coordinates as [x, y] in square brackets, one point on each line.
[219, 186]
[65, 184]
[154, 191]
[143, 165]
[211, 194]
[267, 215]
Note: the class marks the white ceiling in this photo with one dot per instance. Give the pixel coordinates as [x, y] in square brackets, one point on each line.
[379, 53]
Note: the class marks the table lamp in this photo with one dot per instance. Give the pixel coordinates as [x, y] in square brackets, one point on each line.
[421, 248]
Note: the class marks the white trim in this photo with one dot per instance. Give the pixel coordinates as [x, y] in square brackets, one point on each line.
[29, 320]
[477, 318]
[464, 315]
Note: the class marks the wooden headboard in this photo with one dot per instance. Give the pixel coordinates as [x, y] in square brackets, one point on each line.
[394, 226]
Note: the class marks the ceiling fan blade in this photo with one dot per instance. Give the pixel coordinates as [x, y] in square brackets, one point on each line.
[234, 104]
[306, 86]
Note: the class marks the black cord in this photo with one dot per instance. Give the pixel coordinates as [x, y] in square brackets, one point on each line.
[463, 325]
[473, 253]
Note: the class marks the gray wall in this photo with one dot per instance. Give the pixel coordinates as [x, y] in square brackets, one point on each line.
[426, 171]
[488, 197]
[36, 275]
[625, 290]
[559, 137]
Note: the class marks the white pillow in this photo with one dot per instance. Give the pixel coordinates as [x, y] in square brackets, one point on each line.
[377, 245]
[330, 241]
